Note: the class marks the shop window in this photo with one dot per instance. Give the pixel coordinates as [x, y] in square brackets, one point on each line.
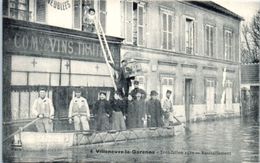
[167, 30]
[209, 40]
[189, 35]
[228, 44]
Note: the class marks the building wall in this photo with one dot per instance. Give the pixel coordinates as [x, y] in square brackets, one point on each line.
[158, 63]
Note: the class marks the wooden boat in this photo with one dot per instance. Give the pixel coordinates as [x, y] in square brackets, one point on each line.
[65, 140]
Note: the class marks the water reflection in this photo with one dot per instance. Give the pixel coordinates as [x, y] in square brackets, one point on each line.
[233, 140]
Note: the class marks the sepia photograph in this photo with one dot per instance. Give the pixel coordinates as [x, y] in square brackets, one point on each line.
[130, 81]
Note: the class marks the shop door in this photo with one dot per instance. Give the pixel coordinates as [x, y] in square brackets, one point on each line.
[187, 99]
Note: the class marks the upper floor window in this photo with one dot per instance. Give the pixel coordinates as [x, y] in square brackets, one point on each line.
[167, 30]
[189, 35]
[209, 40]
[227, 44]
[43, 11]
[134, 23]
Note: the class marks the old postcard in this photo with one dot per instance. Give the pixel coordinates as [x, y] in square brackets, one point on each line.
[130, 81]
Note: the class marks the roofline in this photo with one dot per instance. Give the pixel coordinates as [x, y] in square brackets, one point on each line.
[214, 5]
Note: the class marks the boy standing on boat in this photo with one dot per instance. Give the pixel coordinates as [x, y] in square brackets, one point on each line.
[102, 112]
[167, 109]
[79, 111]
[154, 110]
[43, 108]
[118, 107]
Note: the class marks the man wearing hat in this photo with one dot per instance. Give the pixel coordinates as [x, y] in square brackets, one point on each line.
[79, 111]
[154, 110]
[43, 108]
[136, 90]
[167, 109]
[124, 78]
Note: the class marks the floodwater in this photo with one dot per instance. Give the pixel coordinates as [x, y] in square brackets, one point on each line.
[229, 140]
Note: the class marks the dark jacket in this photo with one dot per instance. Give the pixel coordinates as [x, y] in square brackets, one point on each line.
[135, 112]
[118, 105]
[155, 111]
[101, 112]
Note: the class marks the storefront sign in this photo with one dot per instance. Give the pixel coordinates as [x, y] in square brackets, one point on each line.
[59, 5]
[45, 44]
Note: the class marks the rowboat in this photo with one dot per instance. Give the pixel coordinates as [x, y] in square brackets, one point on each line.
[65, 140]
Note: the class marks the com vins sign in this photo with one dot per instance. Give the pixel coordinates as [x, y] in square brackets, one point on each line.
[46, 44]
[59, 4]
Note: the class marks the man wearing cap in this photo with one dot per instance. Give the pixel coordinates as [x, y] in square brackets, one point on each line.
[124, 78]
[154, 110]
[136, 90]
[167, 109]
[43, 108]
[79, 111]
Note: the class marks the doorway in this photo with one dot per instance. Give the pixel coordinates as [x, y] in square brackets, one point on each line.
[188, 92]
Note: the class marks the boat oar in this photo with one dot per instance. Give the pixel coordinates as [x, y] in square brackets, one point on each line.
[186, 128]
[21, 129]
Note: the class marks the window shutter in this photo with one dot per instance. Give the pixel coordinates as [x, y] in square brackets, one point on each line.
[77, 14]
[170, 32]
[5, 7]
[129, 22]
[41, 11]
[164, 31]
[102, 13]
[195, 39]
[182, 33]
[214, 42]
[140, 25]
[205, 40]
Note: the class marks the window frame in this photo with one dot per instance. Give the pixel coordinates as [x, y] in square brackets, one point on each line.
[209, 43]
[168, 13]
[141, 26]
[73, 15]
[193, 35]
[228, 52]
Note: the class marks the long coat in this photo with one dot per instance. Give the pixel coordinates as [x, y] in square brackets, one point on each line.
[118, 108]
[135, 112]
[155, 111]
[101, 112]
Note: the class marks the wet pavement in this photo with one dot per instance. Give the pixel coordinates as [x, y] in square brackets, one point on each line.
[229, 140]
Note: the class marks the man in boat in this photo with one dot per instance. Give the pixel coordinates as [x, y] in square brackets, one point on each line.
[124, 78]
[167, 109]
[118, 107]
[137, 90]
[154, 110]
[136, 112]
[102, 112]
[43, 108]
[79, 111]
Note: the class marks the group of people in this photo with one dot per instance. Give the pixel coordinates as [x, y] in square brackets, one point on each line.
[118, 113]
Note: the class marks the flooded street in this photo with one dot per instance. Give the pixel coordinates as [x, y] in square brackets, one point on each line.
[232, 140]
